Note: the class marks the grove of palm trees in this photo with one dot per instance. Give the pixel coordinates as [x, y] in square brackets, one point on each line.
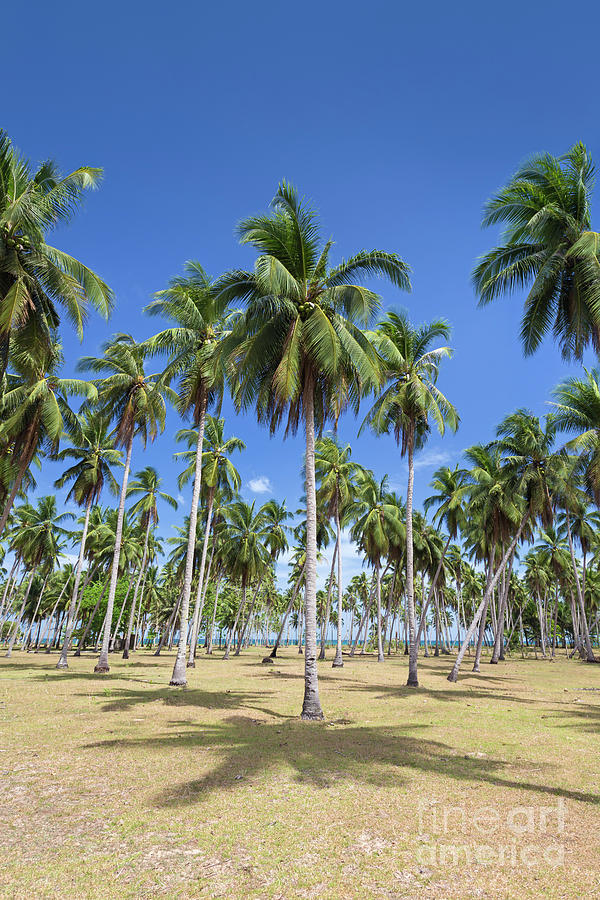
[378, 680]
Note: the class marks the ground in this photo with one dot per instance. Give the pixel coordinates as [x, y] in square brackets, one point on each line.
[119, 786]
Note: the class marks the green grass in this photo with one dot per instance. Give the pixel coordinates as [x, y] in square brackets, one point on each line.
[119, 786]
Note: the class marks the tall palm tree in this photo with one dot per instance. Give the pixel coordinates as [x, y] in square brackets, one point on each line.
[192, 345]
[136, 401]
[217, 473]
[94, 454]
[146, 488]
[298, 349]
[34, 408]
[336, 474]
[548, 247]
[36, 278]
[406, 408]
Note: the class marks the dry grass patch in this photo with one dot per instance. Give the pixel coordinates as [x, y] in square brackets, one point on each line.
[119, 786]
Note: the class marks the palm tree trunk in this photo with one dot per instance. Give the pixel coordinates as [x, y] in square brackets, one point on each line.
[338, 661]
[580, 598]
[15, 630]
[485, 600]
[81, 643]
[179, 677]
[483, 620]
[497, 652]
[380, 656]
[7, 586]
[209, 648]
[135, 593]
[199, 593]
[237, 619]
[25, 461]
[248, 617]
[167, 628]
[311, 707]
[290, 606]
[327, 613]
[37, 606]
[113, 639]
[431, 590]
[413, 654]
[102, 665]
[62, 662]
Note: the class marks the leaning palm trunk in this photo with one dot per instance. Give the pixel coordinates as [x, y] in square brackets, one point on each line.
[432, 587]
[62, 662]
[248, 618]
[327, 613]
[113, 639]
[17, 624]
[209, 647]
[102, 664]
[497, 652]
[483, 620]
[200, 592]
[413, 652]
[7, 586]
[136, 591]
[232, 630]
[485, 600]
[37, 606]
[290, 606]
[380, 656]
[311, 707]
[179, 678]
[81, 642]
[26, 457]
[167, 629]
[338, 660]
[584, 626]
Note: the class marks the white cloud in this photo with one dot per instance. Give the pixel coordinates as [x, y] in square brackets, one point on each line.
[432, 457]
[180, 499]
[260, 485]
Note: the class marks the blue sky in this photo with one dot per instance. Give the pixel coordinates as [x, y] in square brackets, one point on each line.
[397, 120]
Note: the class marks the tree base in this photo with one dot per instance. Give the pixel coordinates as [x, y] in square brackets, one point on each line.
[178, 682]
[338, 663]
[308, 716]
[412, 682]
[62, 664]
[101, 669]
[191, 664]
[452, 677]
[493, 662]
[267, 661]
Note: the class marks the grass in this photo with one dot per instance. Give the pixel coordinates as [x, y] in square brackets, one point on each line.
[119, 786]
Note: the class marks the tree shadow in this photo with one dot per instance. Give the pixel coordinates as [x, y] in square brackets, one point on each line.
[124, 699]
[322, 755]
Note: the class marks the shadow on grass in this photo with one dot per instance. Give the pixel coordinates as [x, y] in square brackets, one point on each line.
[321, 755]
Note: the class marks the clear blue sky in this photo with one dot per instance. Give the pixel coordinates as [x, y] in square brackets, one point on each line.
[398, 121]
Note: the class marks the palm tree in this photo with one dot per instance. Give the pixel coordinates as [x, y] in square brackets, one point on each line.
[147, 488]
[549, 247]
[245, 546]
[449, 499]
[376, 522]
[37, 539]
[405, 408]
[336, 474]
[192, 345]
[531, 467]
[94, 453]
[217, 473]
[298, 348]
[136, 401]
[35, 277]
[34, 407]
